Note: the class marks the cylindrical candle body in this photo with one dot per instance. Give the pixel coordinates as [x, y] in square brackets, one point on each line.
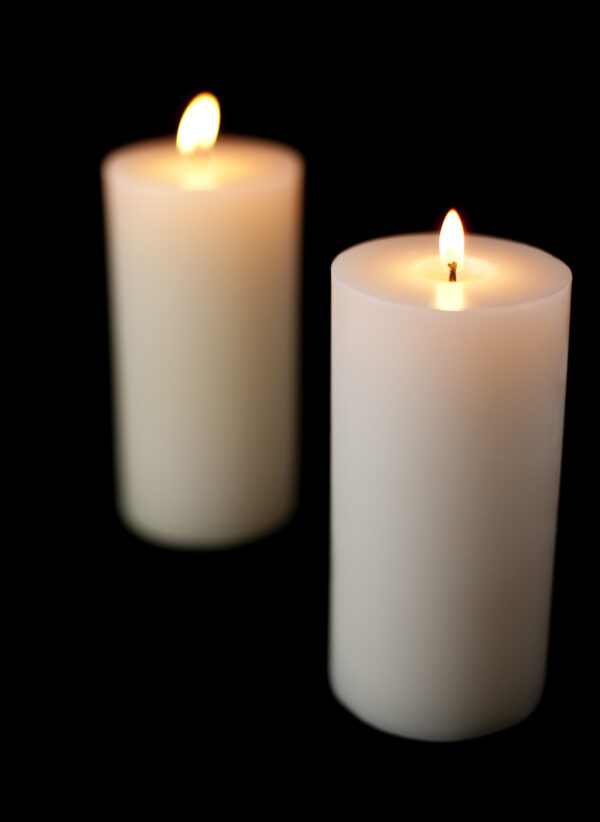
[203, 262]
[446, 451]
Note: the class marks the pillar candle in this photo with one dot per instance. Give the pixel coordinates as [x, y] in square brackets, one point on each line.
[447, 423]
[203, 258]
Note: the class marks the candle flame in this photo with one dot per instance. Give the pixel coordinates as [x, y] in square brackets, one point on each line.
[452, 242]
[199, 124]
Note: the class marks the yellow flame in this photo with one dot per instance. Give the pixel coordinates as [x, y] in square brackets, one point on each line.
[199, 125]
[452, 241]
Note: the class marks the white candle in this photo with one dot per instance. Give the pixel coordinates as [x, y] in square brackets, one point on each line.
[203, 254]
[447, 421]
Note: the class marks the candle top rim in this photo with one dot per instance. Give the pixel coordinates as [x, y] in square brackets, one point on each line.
[404, 270]
[235, 162]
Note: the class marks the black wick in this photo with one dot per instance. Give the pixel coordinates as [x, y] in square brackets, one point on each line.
[452, 267]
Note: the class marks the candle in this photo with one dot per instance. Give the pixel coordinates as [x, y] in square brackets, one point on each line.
[448, 388]
[203, 255]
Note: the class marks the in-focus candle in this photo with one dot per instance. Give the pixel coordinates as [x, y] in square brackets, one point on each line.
[447, 421]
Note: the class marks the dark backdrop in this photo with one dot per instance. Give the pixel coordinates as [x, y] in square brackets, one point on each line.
[224, 654]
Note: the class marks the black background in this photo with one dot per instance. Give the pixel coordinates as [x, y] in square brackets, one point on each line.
[220, 657]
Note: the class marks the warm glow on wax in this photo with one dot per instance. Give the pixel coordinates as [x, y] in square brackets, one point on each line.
[452, 242]
[199, 125]
[449, 296]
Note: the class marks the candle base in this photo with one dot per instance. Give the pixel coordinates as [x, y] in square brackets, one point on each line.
[177, 541]
[407, 729]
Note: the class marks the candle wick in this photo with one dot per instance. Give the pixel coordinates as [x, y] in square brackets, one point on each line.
[452, 267]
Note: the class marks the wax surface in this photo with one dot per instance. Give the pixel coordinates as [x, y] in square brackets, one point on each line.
[234, 163]
[496, 273]
[204, 266]
[446, 447]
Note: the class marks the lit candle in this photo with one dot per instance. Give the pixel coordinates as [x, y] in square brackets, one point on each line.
[448, 388]
[203, 244]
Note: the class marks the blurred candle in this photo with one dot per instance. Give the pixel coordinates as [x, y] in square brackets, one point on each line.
[203, 249]
[447, 420]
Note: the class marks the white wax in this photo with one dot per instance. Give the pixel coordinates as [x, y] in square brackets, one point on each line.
[203, 258]
[447, 422]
